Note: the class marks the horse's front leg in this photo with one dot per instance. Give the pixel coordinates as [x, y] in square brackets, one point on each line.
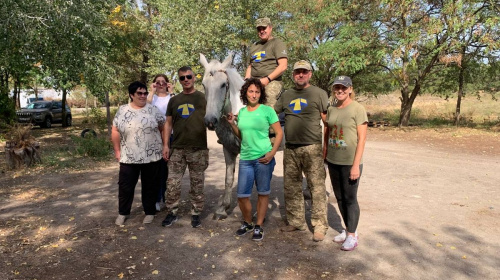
[226, 198]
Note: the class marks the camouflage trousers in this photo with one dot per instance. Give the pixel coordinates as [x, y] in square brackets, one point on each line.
[197, 162]
[273, 90]
[307, 159]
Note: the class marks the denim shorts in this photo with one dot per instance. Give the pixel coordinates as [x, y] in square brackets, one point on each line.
[251, 171]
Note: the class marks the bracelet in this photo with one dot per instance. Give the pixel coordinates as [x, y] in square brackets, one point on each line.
[269, 78]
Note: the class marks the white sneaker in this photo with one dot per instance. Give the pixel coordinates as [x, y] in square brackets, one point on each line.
[148, 219]
[340, 238]
[120, 220]
[350, 243]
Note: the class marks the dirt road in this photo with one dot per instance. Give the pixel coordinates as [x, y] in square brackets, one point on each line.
[426, 213]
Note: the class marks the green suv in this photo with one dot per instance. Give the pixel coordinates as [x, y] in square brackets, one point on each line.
[44, 113]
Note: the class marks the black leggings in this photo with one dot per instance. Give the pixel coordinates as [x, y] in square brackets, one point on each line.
[346, 193]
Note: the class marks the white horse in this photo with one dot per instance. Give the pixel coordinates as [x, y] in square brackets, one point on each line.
[222, 85]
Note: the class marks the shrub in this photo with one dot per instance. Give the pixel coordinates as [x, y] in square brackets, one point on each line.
[95, 147]
[95, 116]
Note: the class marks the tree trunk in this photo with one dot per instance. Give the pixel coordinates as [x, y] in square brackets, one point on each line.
[404, 116]
[108, 114]
[407, 104]
[460, 94]
[14, 96]
[145, 64]
[23, 156]
[461, 79]
[64, 123]
[18, 99]
[4, 79]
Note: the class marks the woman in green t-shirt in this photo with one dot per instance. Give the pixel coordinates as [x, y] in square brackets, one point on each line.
[257, 153]
[345, 139]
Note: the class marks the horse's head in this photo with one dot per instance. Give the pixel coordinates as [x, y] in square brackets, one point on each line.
[215, 81]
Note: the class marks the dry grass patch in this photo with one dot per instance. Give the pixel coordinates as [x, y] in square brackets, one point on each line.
[434, 111]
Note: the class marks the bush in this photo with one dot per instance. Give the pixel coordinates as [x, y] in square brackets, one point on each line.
[96, 117]
[7, 111]
[95, 147]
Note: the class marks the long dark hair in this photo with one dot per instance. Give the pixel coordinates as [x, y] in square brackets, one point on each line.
[258, 84]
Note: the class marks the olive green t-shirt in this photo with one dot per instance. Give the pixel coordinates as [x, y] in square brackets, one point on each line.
[343, 139]
[303, 108]
[188, 113]
[264, 57]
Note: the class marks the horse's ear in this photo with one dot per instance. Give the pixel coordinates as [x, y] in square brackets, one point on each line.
[227, 62]
[203, 60]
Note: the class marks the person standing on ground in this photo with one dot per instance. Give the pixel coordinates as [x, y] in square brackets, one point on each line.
[185, 115]
[268, 61]
[305, 107]
[137, 142]
[159, 96]
[345, 138]
[257, 154]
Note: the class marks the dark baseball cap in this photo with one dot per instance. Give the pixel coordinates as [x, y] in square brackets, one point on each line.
[342, 80]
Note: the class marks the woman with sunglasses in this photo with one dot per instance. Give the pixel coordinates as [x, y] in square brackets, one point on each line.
[159, 96]
[345, 138]
[257, 153]
[138, 146]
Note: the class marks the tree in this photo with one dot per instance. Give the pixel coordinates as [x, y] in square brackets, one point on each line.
[475, 40]
[215, 28]
[338, 39]
[18, 28]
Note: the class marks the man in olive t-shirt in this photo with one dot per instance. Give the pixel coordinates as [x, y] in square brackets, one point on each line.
[305, 107]
[185, 115]
[268, 61]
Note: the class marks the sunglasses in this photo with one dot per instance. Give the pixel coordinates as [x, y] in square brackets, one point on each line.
[143, 93]
[189, 77]
[161, 84]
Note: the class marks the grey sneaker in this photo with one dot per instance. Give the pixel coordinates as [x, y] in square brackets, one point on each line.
[148, 219]
[245, 227]
[120, 220]
[169, 220]
[350, 243]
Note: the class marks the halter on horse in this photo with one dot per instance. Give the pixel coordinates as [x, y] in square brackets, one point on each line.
[222, 90]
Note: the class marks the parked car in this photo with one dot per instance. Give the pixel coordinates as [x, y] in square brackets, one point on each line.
[44, 113]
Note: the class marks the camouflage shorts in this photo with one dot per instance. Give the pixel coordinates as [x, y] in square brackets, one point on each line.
[273, 90]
